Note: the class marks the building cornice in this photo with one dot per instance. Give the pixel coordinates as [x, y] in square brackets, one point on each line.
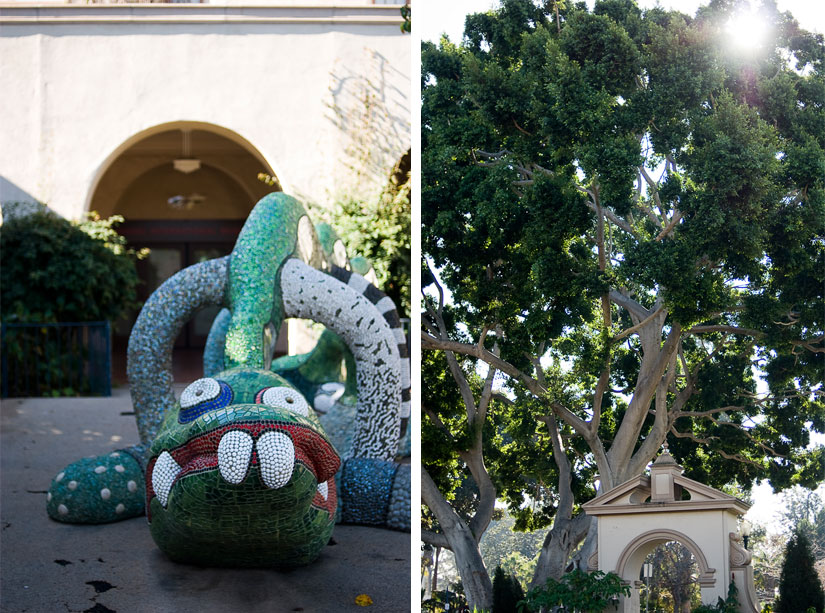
[339, 13]
[734, 505]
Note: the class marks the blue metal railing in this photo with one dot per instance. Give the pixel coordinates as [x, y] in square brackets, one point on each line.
[56, 359]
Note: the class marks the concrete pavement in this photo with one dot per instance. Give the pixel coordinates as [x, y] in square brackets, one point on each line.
[46, 566]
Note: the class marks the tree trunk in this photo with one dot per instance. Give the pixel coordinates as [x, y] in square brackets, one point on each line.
[582, 556]
[477, 585]
[434, 577]
[427, 579]
[562, 539]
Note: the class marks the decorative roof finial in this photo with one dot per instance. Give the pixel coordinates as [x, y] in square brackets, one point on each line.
[664, 447]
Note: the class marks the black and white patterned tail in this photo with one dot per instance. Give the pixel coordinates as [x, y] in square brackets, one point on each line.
[386, 307]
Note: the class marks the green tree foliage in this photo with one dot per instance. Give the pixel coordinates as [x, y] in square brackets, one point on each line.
[804, 512]
[406, 15]
[379, 230]
[507, 592]
[768, 555]
[627, 216]
[799, 586]
[577, 592]
[516, 552]
[55, 270]
[674, 585]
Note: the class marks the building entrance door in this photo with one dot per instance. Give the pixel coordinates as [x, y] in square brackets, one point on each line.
[173, 246]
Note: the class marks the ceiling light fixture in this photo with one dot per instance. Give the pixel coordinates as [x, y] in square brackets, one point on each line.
[186, 163]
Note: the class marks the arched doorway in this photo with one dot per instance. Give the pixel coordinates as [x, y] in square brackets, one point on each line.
[670, 581]
[631, 561]
[184, 189]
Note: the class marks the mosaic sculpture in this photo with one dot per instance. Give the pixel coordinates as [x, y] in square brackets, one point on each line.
[240, 471]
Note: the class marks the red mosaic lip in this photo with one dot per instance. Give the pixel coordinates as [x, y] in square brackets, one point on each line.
[200, 454]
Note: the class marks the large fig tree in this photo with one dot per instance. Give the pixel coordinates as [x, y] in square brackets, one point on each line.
[623, 220]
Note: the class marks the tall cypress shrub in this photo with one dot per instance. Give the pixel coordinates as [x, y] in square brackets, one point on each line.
[799, 586]
[507, 592]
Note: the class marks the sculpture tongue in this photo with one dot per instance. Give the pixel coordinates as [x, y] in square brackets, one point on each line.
[234, 448]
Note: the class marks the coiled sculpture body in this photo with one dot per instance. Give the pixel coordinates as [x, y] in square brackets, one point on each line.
[239, 471]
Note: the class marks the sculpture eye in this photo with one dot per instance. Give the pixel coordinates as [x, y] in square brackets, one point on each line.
[202, 396]
[283, 398]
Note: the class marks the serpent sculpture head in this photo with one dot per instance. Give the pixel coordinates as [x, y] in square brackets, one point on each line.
[239, 471]
[248, 442]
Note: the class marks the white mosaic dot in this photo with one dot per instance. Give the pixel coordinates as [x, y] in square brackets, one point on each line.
[119, 468]
[132, 486]
[286, 398]
[59, 477]
[100, 470]
[199, 391]
[105, 493]
[62, 509]
[120, 508]
[114, 454]
[72, 485]
[49, 497]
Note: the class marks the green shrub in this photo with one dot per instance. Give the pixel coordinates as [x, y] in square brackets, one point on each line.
[54, 270]
[728, 605]
[577, 592]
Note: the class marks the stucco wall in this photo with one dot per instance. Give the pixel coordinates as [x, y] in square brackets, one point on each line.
[79, 81]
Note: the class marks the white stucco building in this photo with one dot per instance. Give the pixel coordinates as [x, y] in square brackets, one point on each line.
[637, 516]
[100, 100]
[85, 84]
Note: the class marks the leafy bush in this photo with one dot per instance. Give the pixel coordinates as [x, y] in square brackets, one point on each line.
[728, 605]
[577, 592]
[452, 598]
[56, 270]
[52, 271]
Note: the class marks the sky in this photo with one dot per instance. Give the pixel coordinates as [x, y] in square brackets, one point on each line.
[434, 17]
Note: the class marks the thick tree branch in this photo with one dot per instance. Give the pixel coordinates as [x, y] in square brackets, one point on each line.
[650, 374]
[661, 422]
[565, 508]
[435, 539]
[677, 216]
[654, 189]
[437, 421]
[486, 392]
[455, 368]
[614, 219]
[723, 328]
[638, 326]
[598, 395]
[430, 342]
[630, 305]
[459, 539]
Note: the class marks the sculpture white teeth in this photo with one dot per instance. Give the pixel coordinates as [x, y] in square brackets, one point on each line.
[323, 489]
[276, 457]
[234, 454]
[163, 476]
